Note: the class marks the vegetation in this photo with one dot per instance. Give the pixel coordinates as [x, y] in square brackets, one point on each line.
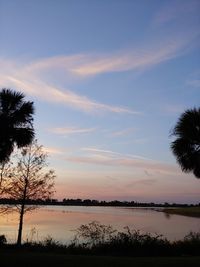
[186, 147]
[3, 240]
[97, 239]
[16, 116]
[94, 234]
[186, 211]
[92, 202]
[28, 179]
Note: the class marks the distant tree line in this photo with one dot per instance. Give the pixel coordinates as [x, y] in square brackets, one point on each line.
[91, 202]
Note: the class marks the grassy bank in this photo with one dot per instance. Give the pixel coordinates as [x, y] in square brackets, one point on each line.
[23, 259]
[186, 211]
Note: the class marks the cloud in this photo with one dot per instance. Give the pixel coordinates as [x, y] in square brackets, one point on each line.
[48, 78]
[71, 130]
[132, 59]
[123, 132]
[140, 141]
[176, 10]
[34, 86]
[110, 153]
[194, 83]
[110, 158]
[162, 168]
[173, 109]
[143, 182]
[193, 79]
[53, 150]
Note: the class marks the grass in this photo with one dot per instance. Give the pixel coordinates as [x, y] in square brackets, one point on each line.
[186, 211]
[22, 258]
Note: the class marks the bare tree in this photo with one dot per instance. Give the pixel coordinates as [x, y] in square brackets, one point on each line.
[29, 179]
[5, 173]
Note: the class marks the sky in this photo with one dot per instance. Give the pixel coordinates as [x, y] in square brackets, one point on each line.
[109, 79]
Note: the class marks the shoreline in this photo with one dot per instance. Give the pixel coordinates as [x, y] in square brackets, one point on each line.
[187, 211]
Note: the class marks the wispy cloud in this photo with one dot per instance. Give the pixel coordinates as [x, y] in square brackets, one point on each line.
[132, 59]
[47, 78]
[111, 158]
[176, 10]
[123, 132]
[161, 168]
[173, 109]
[193, 79]
[53, 150]
[71, 130]
[34, 86]
[194, 83]
[142, 182]
[110, 153]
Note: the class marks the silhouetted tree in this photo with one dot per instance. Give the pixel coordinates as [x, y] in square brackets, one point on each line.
[29, 180]
[4, 171]
[186, 146]
[16, 116]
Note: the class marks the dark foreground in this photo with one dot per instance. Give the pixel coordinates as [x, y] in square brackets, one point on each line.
[10, 258]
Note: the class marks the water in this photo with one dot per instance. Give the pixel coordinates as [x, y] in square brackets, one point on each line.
[59, 222]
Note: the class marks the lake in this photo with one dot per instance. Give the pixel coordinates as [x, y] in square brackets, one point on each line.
[60, 221]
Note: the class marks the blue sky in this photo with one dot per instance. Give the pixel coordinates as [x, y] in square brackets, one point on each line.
[109, 80]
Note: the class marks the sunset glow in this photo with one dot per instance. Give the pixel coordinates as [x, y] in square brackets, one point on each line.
[109, 80]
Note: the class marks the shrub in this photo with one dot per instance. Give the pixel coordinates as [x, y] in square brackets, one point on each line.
[104, 239]
[3, 240]
[189, 245]
[93, 233]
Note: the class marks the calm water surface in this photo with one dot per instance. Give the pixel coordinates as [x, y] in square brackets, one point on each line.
[59, 222]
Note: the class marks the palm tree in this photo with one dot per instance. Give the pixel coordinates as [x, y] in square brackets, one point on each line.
[16, 128]
[186, 146]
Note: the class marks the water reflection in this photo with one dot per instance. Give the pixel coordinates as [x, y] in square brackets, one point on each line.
[167, 215]
[59, 222]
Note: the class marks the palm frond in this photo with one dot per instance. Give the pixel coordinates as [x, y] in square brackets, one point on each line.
[16, 116]
[186, 147]
[23, 136]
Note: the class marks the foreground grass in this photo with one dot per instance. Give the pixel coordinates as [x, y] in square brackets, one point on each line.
[187, 211]
[9, 258]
